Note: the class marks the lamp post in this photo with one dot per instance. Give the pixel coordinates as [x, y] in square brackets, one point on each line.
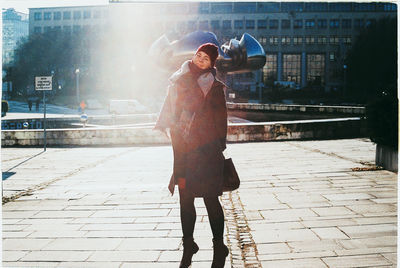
[344, 80]
[77, 85]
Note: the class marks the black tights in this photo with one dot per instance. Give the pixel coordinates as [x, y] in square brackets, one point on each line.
[188, 214]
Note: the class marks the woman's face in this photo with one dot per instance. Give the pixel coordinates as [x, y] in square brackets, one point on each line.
[202, 60]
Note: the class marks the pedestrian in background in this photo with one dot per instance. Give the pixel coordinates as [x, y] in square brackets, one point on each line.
[30, 104]
[195, 114]
[37, 104]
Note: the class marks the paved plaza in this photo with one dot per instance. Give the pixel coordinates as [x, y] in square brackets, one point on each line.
[300, 204]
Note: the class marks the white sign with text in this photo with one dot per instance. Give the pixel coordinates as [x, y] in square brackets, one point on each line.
[43, 83]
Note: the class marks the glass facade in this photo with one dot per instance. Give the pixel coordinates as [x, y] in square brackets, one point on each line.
[270, 68]
[298, 24]
[238, 24]
[292, 68]
[250, 24]
[243, 7]
[262, 24]
[226, 24]
[315, 69]
[285, 24]
[273, 24]
[47, 16]
[57, 15]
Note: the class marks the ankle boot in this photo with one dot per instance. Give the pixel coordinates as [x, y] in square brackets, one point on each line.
[189, 249]
[220, 253]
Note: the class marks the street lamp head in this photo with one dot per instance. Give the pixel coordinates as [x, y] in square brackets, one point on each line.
[77, 71]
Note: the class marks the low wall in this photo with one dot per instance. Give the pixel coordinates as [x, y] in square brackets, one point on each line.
[243, 132]
[320, 109]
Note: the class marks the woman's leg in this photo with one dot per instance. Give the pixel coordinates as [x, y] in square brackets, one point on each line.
[215, 216]
[188, 220]
[188, 211]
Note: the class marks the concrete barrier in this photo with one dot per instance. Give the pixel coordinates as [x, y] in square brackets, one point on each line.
[240, 132]
[313, 109]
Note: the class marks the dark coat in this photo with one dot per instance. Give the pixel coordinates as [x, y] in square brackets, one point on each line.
[198, 127]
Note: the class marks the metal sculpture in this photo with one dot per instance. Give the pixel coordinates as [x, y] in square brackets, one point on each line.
[235, 56]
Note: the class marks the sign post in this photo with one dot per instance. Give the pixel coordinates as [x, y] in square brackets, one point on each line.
[44, 83]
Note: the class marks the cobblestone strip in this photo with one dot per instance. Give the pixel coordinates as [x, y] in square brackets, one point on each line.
[242, 247]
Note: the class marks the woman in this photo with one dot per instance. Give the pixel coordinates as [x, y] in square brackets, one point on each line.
[195, 113]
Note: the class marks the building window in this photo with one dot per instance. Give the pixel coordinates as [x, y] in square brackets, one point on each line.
[291, 67]
[273, 24]
[316, 7]
[221, 7]
[389, 7]
[37, 16]
[338, 7]
[364, 7]
[67, 15]
[57, 28]
[67, 29]
[322, 24]
[321, 40]
[270, 68]
[57, 15]
[358, 23]
[226, 24]
[87, 14]
[315, 69]
[262, 40]
[47, 16]
[265, 7]
[250, 24]
[37, 30]
[332, 56]
[97, 14]
[204, 7]
[334, 24]
[77, 15]
[285, 24]
[310, 24]
[215, 24]
[291, 6]
[285, 40]
[310, 40]
[346, 23]
[347, 40]
[76, 28]
[298, 24]
[297, 40]
[47, 29]
[243, 7]
[191, 25]
[274, 40]
[203, 25]
[334, 40]
[262, 24]
[238, 24]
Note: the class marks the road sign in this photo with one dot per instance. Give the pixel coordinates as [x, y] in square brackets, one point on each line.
[43, 83]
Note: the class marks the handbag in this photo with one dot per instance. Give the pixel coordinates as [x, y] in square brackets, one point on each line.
[231, 180]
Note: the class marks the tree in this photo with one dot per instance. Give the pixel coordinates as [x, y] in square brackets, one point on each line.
[40, 54]
[372, 62]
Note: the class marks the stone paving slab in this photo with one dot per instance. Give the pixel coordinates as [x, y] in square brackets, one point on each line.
[300, 204]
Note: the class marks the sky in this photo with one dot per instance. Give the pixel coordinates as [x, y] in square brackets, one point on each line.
[24, 5]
